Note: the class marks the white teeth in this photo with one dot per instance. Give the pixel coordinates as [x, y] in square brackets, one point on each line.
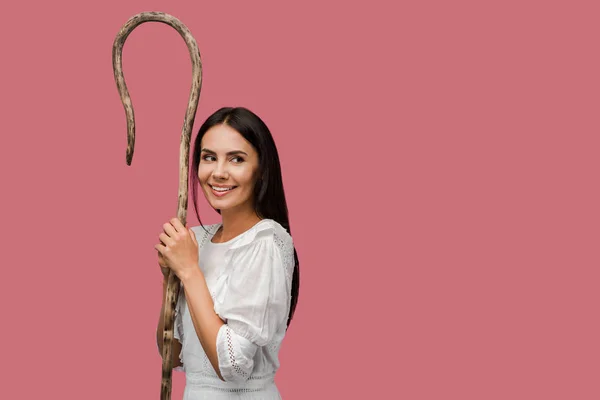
[221, 189]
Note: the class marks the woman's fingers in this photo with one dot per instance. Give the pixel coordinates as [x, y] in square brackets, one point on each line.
[169, 229]
[176, 223]
[172, 232]
[166, 240]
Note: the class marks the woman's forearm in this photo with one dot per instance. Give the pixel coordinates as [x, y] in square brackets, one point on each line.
[206, 322]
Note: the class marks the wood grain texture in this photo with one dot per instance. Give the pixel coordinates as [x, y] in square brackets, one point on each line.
[173, 285]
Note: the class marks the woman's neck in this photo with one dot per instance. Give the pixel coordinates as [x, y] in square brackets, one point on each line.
[236, 223]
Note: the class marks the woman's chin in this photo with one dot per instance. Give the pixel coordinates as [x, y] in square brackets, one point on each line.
[219, 204]
[216, 203]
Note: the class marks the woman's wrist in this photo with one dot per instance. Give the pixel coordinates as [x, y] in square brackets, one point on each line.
[191, 274]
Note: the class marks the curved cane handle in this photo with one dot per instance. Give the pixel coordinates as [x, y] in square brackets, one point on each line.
[173, 281]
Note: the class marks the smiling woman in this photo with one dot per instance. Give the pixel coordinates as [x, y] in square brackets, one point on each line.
[228, 168]
[240, 277]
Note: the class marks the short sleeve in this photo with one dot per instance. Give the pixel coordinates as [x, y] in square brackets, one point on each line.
[254, 302]
[255, 299]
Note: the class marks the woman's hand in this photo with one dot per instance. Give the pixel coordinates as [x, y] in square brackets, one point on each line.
[178, 249]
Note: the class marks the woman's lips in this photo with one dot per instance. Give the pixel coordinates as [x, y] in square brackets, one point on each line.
[221, 193]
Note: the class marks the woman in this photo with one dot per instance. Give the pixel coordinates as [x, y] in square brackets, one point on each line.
[239, 278]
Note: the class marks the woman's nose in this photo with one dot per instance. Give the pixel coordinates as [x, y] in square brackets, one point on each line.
[219, 172]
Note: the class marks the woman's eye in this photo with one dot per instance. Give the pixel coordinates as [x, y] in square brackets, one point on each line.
[209, 157]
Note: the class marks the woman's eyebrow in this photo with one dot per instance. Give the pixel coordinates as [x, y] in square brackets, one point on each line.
[229, 153]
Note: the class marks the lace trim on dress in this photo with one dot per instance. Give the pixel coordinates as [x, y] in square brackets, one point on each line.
[233, 390]
[287, 254]
[205, 235]
[231, 352]
[254, 383]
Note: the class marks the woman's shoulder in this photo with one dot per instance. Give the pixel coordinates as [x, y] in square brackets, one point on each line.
[265, 229]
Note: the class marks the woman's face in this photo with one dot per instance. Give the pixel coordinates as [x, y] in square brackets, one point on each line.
[228, 169]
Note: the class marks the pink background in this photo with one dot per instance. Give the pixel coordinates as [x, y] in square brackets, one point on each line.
[440, 161]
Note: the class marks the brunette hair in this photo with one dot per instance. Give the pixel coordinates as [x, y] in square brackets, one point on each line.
[269, 196]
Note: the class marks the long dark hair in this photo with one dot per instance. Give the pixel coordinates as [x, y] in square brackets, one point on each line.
[269, 197]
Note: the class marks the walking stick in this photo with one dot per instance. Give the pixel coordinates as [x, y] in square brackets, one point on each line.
[173, 281]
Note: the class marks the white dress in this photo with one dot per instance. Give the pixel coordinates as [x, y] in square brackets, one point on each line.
[250, 280]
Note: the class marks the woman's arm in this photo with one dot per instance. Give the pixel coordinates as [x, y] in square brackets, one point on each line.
[255, 303]
[159, 333]
[206, 322]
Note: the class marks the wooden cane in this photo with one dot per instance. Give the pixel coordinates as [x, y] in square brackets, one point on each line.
[173, 282]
